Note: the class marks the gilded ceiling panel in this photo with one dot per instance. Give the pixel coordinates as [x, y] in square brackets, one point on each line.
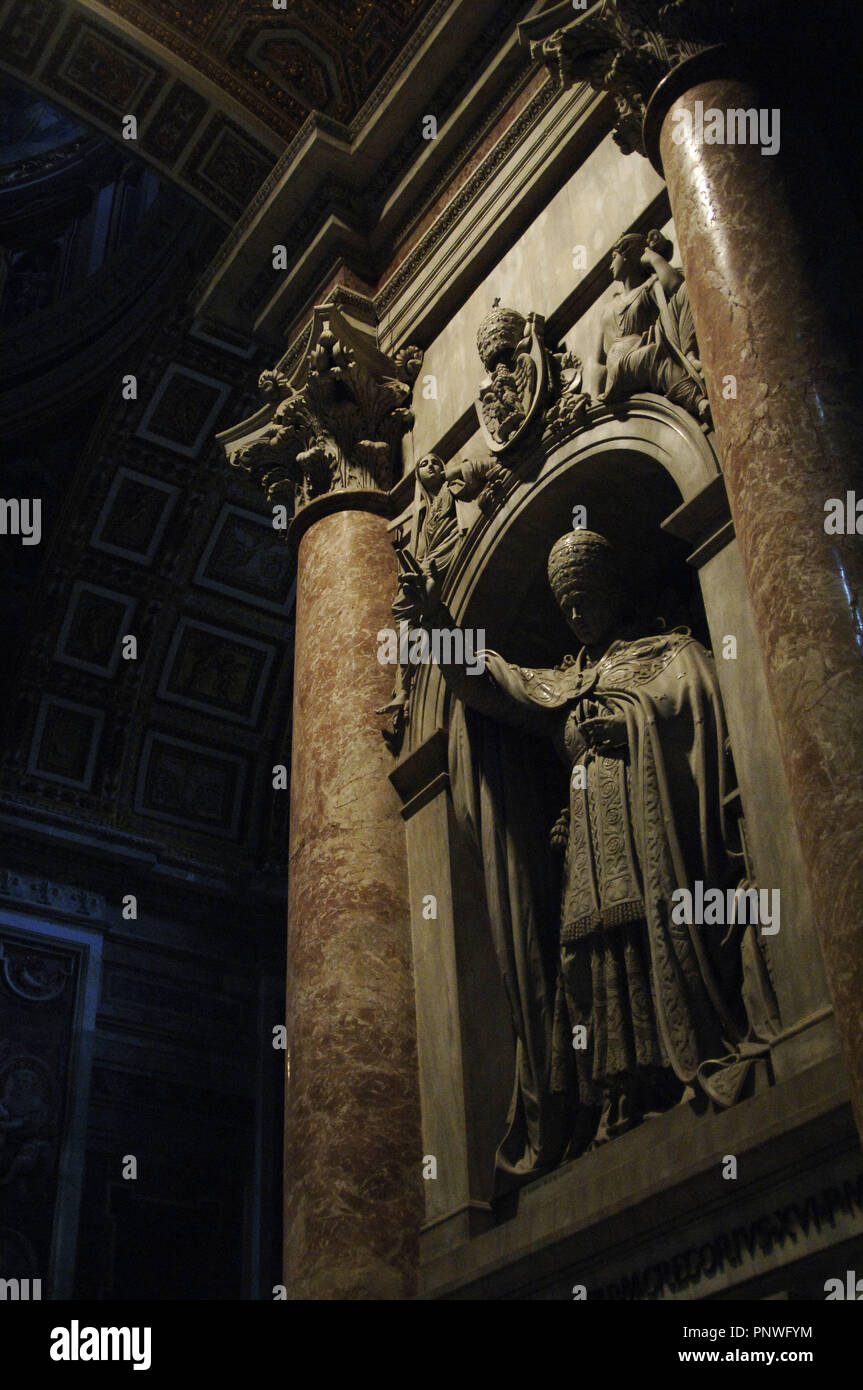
[309, 55]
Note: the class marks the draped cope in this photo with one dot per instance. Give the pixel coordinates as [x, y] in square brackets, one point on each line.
[658, 1000]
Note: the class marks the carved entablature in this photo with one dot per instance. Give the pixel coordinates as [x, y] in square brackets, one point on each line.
[337, 422]
[626, 48]
[527, 384]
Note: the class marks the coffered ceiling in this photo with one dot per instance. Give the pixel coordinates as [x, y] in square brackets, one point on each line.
[217, 87]
[282, 63]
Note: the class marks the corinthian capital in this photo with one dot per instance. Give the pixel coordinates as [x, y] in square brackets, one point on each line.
[336, 423]
[626, 47]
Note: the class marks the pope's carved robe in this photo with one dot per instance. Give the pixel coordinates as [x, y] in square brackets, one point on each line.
[656, 1000]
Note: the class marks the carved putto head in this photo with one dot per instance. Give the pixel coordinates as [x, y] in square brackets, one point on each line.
[499, 335]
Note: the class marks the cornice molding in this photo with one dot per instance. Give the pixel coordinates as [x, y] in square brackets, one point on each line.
[349, 190]
[553, 134]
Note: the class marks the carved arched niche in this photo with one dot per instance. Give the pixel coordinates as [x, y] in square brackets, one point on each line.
[629, 470]
[645, 465]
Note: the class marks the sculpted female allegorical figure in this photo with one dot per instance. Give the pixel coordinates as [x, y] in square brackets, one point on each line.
[647, 335]
[637, 718]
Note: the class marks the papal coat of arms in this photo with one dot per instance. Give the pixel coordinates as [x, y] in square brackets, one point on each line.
[513, 354]
[528, 382]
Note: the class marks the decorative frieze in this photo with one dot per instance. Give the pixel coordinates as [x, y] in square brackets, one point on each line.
[41, 892]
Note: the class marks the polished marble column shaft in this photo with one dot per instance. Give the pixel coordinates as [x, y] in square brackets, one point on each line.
[353, 1173]
[788, 425]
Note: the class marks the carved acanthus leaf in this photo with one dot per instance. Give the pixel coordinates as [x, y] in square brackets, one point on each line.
[626, 48]
[338, 420]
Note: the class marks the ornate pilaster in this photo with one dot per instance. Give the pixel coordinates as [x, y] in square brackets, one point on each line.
[788, 435]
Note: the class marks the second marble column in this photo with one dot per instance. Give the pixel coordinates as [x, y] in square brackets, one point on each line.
[788, 424]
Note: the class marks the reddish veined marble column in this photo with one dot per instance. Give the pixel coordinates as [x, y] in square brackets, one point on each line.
[353, 1161]
[789, 440]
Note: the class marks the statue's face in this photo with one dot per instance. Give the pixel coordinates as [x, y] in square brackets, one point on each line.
[430, 470]
[625, 259]
[591, 613]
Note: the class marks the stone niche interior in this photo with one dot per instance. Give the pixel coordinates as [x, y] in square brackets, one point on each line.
[638, 1207]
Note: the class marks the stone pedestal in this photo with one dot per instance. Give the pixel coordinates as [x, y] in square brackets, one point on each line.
[788, 430]
[353, 1170]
